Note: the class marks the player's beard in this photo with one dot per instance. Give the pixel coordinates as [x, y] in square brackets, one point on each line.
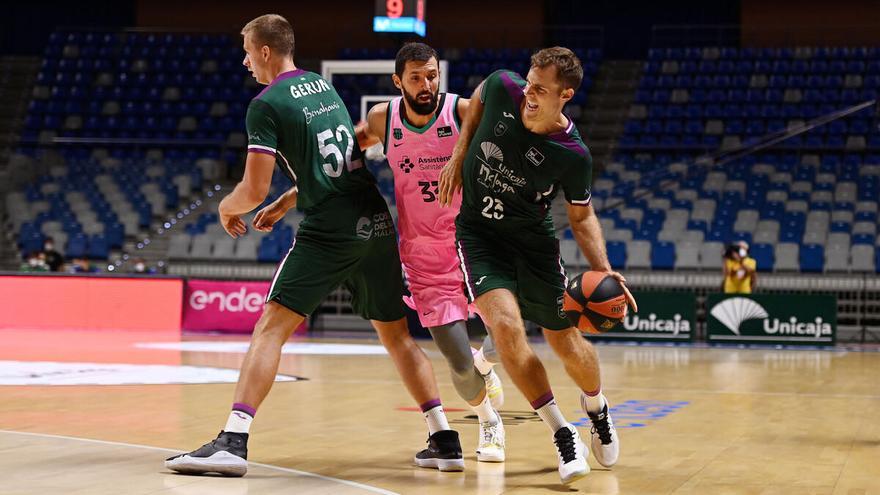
[422, 108]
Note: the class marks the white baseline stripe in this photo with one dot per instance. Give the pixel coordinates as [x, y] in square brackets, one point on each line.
[160, 449]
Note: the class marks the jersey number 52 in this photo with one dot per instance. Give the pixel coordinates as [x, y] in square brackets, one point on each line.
[328, 149]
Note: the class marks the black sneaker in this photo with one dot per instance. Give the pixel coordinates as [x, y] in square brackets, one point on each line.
[226, 455]
[443, 452]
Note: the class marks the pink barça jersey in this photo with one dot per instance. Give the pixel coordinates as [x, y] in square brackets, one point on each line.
[427, 231]
[417, 155]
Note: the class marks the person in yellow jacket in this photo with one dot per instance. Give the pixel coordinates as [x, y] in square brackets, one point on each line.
[740, 271]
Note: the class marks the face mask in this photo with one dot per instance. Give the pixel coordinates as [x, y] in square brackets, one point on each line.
[34, 262]
[140, 267]
[48, 247]
[742, 253]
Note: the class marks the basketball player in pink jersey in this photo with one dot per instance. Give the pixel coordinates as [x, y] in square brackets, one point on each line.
[419, 130]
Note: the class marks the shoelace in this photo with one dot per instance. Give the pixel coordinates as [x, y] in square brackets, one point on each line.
[602, 427]
[564, 441]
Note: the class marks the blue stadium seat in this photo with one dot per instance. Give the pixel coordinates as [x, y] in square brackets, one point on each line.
[269, 250]
[616, 254]
[663, 255]
[812, 258]
[764, 257]
[98, 247]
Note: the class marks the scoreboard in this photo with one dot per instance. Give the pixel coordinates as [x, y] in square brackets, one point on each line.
[400, 16]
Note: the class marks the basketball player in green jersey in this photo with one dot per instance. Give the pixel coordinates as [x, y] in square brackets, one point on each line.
[347, 237]
[516, 149]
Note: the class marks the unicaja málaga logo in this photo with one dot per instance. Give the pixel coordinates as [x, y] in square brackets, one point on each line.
[734, 311]
[675, 326]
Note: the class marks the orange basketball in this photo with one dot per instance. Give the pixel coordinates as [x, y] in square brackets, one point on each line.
[594, 302]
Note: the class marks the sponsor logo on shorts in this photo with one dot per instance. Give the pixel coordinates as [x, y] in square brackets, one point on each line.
[445, 131]
[534, 156]
[380, 225]
[559, 310]
[364, 228]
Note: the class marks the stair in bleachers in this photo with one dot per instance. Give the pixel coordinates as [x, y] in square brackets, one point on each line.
[17, 75]
[608, 102]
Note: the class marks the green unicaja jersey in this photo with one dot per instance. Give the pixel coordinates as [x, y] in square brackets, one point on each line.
[510, 174]
[300, 119]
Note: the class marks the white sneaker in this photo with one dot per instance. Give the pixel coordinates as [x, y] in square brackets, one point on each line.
[494, 389]
[603, 436]
[491, 446]
[572, 454]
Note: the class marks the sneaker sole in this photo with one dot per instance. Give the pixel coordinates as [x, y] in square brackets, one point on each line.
[576, 476]
[597, 447]
[445, 465]
[222, 463]
[495, 457]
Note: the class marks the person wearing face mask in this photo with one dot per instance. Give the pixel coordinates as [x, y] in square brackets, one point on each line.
[35, 262]
[740, 273]
[54, 260]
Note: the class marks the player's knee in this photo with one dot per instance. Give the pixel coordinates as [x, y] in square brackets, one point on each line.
[462, 365]
[505, 325]
[276, 322]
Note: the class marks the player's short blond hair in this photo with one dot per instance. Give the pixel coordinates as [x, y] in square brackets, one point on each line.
[271, 30]
[568, 66]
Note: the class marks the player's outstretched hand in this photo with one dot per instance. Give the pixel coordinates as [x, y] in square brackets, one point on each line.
[233, 225]
[268, 217]
[629, 297]
[450, 182]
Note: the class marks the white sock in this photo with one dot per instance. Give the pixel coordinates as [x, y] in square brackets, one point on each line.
[593, 403]
[436, 419]
[484, 366]
[239, 422]
[552, 416]
[485, 412]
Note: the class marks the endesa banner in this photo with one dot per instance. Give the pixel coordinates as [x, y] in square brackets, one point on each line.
[214, 305]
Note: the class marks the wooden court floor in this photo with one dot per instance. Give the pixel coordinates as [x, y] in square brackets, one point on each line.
[691, 420]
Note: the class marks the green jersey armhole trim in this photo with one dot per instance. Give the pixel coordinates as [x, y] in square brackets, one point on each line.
[387, 126]
[421, 130]
[455, 112]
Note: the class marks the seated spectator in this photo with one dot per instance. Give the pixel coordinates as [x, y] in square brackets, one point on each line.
[35, 262]
[54, 260]
[83, 265]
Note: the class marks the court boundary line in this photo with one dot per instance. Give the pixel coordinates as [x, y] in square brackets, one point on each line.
[355, 484]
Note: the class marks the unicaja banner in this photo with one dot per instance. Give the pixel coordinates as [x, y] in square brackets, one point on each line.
[212, 305]
[772, 319]
[667, 316]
